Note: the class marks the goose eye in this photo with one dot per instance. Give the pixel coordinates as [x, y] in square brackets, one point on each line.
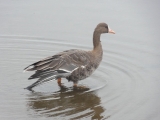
[106, 27]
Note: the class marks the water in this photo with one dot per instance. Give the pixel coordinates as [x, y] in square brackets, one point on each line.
[124, 87]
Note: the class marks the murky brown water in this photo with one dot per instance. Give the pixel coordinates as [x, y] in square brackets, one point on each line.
[126, 86]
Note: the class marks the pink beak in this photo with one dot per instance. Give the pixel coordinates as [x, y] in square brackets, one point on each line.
[111, 31]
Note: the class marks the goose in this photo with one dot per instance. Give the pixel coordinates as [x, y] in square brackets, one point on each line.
[73, 64]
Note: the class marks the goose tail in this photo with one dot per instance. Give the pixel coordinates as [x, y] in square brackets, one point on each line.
[46, 77]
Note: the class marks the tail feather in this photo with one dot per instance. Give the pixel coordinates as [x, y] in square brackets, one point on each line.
[39, 74]
[29, 68]
[45, 76]
[43, 64]
[40, 81]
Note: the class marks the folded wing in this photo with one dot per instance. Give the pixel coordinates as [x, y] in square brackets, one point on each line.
[59, 65]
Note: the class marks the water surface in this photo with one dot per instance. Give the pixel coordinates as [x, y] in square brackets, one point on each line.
[124, 87]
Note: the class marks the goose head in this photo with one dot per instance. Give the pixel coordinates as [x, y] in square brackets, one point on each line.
[103, 28]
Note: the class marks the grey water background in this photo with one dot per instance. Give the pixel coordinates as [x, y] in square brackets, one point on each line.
[126, 86]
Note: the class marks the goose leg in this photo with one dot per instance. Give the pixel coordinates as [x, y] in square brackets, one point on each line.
[59, 81]
[79, 87]
[62, 87]
[75, 85]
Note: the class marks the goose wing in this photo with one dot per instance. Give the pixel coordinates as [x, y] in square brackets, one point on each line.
[64, 62]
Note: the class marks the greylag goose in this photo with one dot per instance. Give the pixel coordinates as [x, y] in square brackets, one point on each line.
[74, 64]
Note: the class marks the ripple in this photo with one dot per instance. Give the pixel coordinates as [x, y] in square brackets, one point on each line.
[113, 85]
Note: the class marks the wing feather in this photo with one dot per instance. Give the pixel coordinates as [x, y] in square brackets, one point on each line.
[67, 61]
[67, 58]
[59, 65]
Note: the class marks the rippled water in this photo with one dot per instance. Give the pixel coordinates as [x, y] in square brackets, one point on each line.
[126, 86]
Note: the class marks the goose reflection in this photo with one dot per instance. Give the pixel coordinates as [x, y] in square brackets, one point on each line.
[70, 104]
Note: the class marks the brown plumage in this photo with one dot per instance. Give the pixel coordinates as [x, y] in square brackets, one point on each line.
[73, 64]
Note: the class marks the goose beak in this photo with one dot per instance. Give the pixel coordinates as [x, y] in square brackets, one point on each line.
[111, 31]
